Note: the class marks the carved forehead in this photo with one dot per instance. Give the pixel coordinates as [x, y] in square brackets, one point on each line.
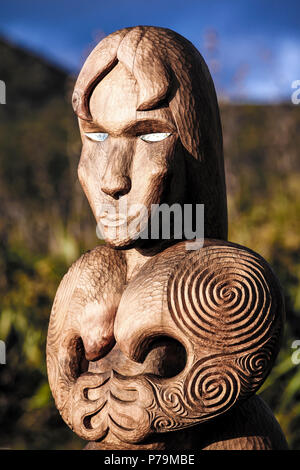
[113, 103]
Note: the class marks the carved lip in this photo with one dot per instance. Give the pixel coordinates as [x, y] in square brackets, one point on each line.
[114, 222]
[117, 221]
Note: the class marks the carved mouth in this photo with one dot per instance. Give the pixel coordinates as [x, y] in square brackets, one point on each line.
[112, 217]
[113, 221]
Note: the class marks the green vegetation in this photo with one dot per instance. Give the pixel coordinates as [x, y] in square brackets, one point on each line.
[263, 178]
[46, 223]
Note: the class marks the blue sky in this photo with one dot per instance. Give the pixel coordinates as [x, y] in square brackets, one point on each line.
[251, 46]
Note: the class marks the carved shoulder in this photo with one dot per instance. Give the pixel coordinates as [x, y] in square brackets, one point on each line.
[97, 276]
[82, 317]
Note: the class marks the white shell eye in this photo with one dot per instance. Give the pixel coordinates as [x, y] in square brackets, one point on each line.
[155, 137]
[96, 136]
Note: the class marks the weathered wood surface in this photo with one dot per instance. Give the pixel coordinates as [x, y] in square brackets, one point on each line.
[151, 345]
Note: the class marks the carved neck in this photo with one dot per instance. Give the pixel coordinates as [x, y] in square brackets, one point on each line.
[137, 257]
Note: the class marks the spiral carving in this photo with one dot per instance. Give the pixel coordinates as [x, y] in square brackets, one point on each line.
[171, 398]
[222, 298]
[163, 423]
[255, 366]
[212, 386]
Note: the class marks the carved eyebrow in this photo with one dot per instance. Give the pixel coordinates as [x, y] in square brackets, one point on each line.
[148, 126]
[90, 126]
[138, 127]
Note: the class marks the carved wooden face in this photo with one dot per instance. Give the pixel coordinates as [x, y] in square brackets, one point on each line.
[130, 159]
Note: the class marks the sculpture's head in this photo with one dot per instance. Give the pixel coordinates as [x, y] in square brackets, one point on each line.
[151, 132]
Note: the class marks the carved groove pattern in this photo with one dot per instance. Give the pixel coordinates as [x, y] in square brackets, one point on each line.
[226, 301]
[214, 387]
[223, 300]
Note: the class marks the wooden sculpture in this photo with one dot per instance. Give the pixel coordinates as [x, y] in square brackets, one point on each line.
[152, 345]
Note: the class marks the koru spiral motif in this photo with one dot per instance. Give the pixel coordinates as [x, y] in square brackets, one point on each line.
[226, 300]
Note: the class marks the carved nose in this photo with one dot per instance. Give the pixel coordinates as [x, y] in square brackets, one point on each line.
[116, 187]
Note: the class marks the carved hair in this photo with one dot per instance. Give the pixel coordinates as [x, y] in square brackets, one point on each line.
[168, 69]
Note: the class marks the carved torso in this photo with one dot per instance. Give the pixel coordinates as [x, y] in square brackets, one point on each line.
[204, 343]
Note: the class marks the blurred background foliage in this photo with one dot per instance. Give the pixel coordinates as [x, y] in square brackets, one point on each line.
[46, 223]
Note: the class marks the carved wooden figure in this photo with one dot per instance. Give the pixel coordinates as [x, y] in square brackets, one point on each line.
[151, 344]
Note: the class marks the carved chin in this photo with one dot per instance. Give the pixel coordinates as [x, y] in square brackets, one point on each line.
[124, 236]
[122, 243]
